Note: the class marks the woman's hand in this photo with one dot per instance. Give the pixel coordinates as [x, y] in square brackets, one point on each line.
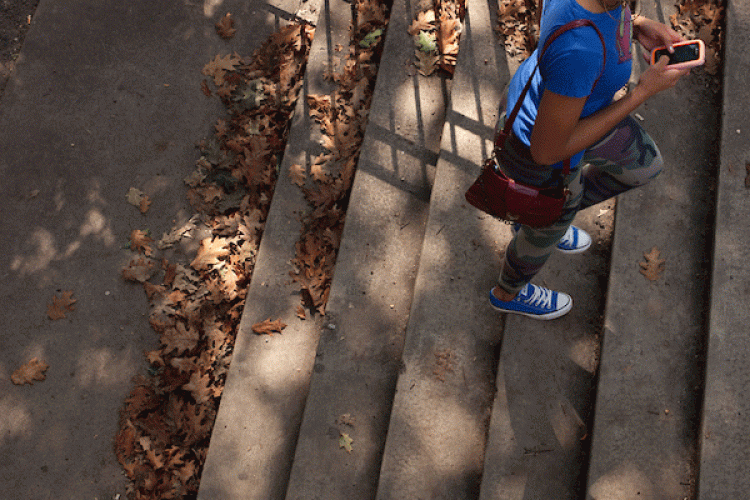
[652, 34]
[658, 77]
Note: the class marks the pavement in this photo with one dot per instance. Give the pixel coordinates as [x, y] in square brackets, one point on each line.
[638, 393]
[105, 96]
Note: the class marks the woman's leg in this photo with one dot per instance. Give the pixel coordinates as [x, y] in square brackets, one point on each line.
[529, 250]
[626, 158]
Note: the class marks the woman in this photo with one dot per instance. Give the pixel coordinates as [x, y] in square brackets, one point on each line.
[569, 112]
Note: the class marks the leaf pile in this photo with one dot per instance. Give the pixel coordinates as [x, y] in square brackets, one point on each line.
[436, 30]
[517, 23]
[166, 421]
[342, 117]
[702, 19]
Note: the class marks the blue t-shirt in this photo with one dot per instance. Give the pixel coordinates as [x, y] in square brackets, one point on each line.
[573, 62]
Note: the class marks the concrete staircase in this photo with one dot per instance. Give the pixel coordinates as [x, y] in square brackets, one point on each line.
[638, 393]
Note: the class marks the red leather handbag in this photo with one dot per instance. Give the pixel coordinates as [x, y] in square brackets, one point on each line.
[500, 196]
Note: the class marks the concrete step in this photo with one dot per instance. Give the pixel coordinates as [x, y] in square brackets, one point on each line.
[255, 434]
[725, 428]
[437, 432]
[359, 353]
[354, 371]
[646, 422]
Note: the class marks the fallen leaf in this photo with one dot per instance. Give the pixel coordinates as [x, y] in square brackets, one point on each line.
[269, 327]
[424, 22]
[371, 39]
[218, 67]
[346, 419]
[199, 386]
[138, 198]
[225, 27]
[205, 88]
[426, 41]
[28, 373]
[443, 364]
[427, 63]
[144, 204]
[140, 269]
[209, 253]
[58, 307]
[297, 175]
[345, 442]
[301, 314]
[139, 242]
[653, 266]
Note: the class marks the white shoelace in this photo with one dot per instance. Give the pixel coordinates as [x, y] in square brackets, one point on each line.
[541, 297]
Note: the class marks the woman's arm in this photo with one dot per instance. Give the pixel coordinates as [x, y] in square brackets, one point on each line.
[560, 133]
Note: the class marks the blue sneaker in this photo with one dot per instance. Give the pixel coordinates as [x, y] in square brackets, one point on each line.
[536, 302]
[575, 240]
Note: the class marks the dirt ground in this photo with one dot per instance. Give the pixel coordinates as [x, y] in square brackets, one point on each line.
[15, 21]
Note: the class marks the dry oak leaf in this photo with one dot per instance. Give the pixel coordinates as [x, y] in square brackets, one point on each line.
[139, 241]
[210, 253]
[653, 266]
[28, 373]
[180, 339]
[297, 175]
[301, 314]
[139, 270]
[427, 63]
[139, 199]
[199, 387]
[425, 21]
[219, 67]
[345, 442]
[225, 27]
[269, 327]
[58, 307]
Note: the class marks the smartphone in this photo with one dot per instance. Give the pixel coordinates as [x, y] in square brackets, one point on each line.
[686, 54]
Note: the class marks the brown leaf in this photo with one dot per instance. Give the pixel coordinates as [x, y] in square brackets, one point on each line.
[301, 314]
[210, 253]
[144, 204]
[199, 386]
[425, 21]
[205, 89]
[427, 63]
[225, 27]
[297, 174]
[268, 327]
[139, 242]
[58, 307]
[180, 339]
[140, 269]
[28, 373]
[653, 266]
[218, 68]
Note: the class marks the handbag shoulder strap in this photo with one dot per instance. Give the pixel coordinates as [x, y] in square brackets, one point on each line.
[502, 136]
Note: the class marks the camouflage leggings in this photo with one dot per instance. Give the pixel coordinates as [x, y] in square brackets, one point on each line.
[626, 158]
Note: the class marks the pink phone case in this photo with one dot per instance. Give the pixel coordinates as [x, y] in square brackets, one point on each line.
[688, 64]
